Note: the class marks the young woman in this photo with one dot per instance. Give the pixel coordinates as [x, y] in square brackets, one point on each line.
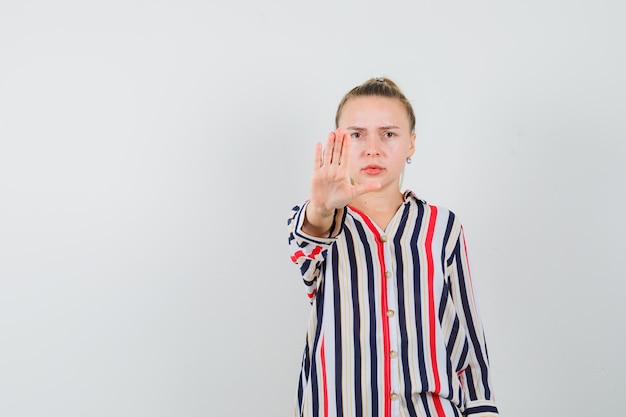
[394, 328]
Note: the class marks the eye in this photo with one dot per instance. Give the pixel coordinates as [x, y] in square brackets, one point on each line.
[389, 135]
[356, 135]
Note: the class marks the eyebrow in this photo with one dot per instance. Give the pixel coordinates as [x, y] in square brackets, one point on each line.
[357, 128]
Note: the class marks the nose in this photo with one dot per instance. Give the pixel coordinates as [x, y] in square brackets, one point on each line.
[373, 147]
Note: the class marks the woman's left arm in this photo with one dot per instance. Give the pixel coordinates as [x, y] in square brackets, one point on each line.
[475, 377]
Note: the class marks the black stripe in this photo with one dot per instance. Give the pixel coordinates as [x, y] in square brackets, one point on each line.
[371, 294]
[303, 268]
[463, 356]
[304, 374]
[306, 359]
[300, 395]
[417, 298]
[454, 333]
[481, 409]
[424, 398]
[461, 397]
[338, 336]
[404, 338]
[443, 301]
[446, 237]
[356, 313]
[470, 323]
[471, 390]
[319, 305]
[445, 292]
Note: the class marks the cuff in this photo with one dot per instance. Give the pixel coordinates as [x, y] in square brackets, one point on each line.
[481, 409]
[300, 235]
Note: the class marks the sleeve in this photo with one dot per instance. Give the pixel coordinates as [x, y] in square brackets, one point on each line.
[308, 252]
[475, 376]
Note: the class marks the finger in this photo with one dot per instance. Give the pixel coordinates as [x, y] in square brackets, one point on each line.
[345, 148]
[337, 148]
[317, 158]
[367, 187]
[328, 150]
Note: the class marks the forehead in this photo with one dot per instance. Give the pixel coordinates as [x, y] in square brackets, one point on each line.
[373, 110]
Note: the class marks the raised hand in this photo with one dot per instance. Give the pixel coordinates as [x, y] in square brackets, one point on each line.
[331, 187]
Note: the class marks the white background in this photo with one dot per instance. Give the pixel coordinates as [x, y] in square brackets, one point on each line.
[150, 152]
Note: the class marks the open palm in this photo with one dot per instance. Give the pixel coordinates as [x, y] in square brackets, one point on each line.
[331, 187]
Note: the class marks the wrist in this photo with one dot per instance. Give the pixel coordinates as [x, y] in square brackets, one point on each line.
[318, 221]
[321, 211]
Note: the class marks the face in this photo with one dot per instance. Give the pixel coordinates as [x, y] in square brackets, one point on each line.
[381, 139]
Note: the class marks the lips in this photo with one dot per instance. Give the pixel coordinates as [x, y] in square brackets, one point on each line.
[373, 169]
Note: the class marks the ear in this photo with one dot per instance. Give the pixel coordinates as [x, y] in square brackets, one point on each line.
[411, 146]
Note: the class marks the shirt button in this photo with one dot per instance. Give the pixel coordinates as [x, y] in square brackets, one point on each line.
[393, 354]
[387, 274]
[383, 238]
[394, 396]
[390, 313]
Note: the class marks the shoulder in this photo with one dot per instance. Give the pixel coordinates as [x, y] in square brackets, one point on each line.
[433, 209]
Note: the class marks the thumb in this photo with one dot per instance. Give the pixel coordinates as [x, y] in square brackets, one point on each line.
[367, 187]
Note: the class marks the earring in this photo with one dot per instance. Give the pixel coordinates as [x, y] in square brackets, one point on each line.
[409, 160]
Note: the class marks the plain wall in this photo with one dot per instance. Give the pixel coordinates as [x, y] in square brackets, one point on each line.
[150, 153]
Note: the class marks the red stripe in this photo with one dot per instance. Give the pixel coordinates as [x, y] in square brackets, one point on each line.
[315, 252]
[431, 309]
[438, 406]
[324, 381]
[299, 254]
[431, 299]
[383, 311]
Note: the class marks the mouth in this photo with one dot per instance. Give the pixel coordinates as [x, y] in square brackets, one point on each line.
[373, 169]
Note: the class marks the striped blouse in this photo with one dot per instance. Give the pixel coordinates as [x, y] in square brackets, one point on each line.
[394, 329]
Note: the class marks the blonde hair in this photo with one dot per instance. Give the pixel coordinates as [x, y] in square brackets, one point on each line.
[381, 87]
